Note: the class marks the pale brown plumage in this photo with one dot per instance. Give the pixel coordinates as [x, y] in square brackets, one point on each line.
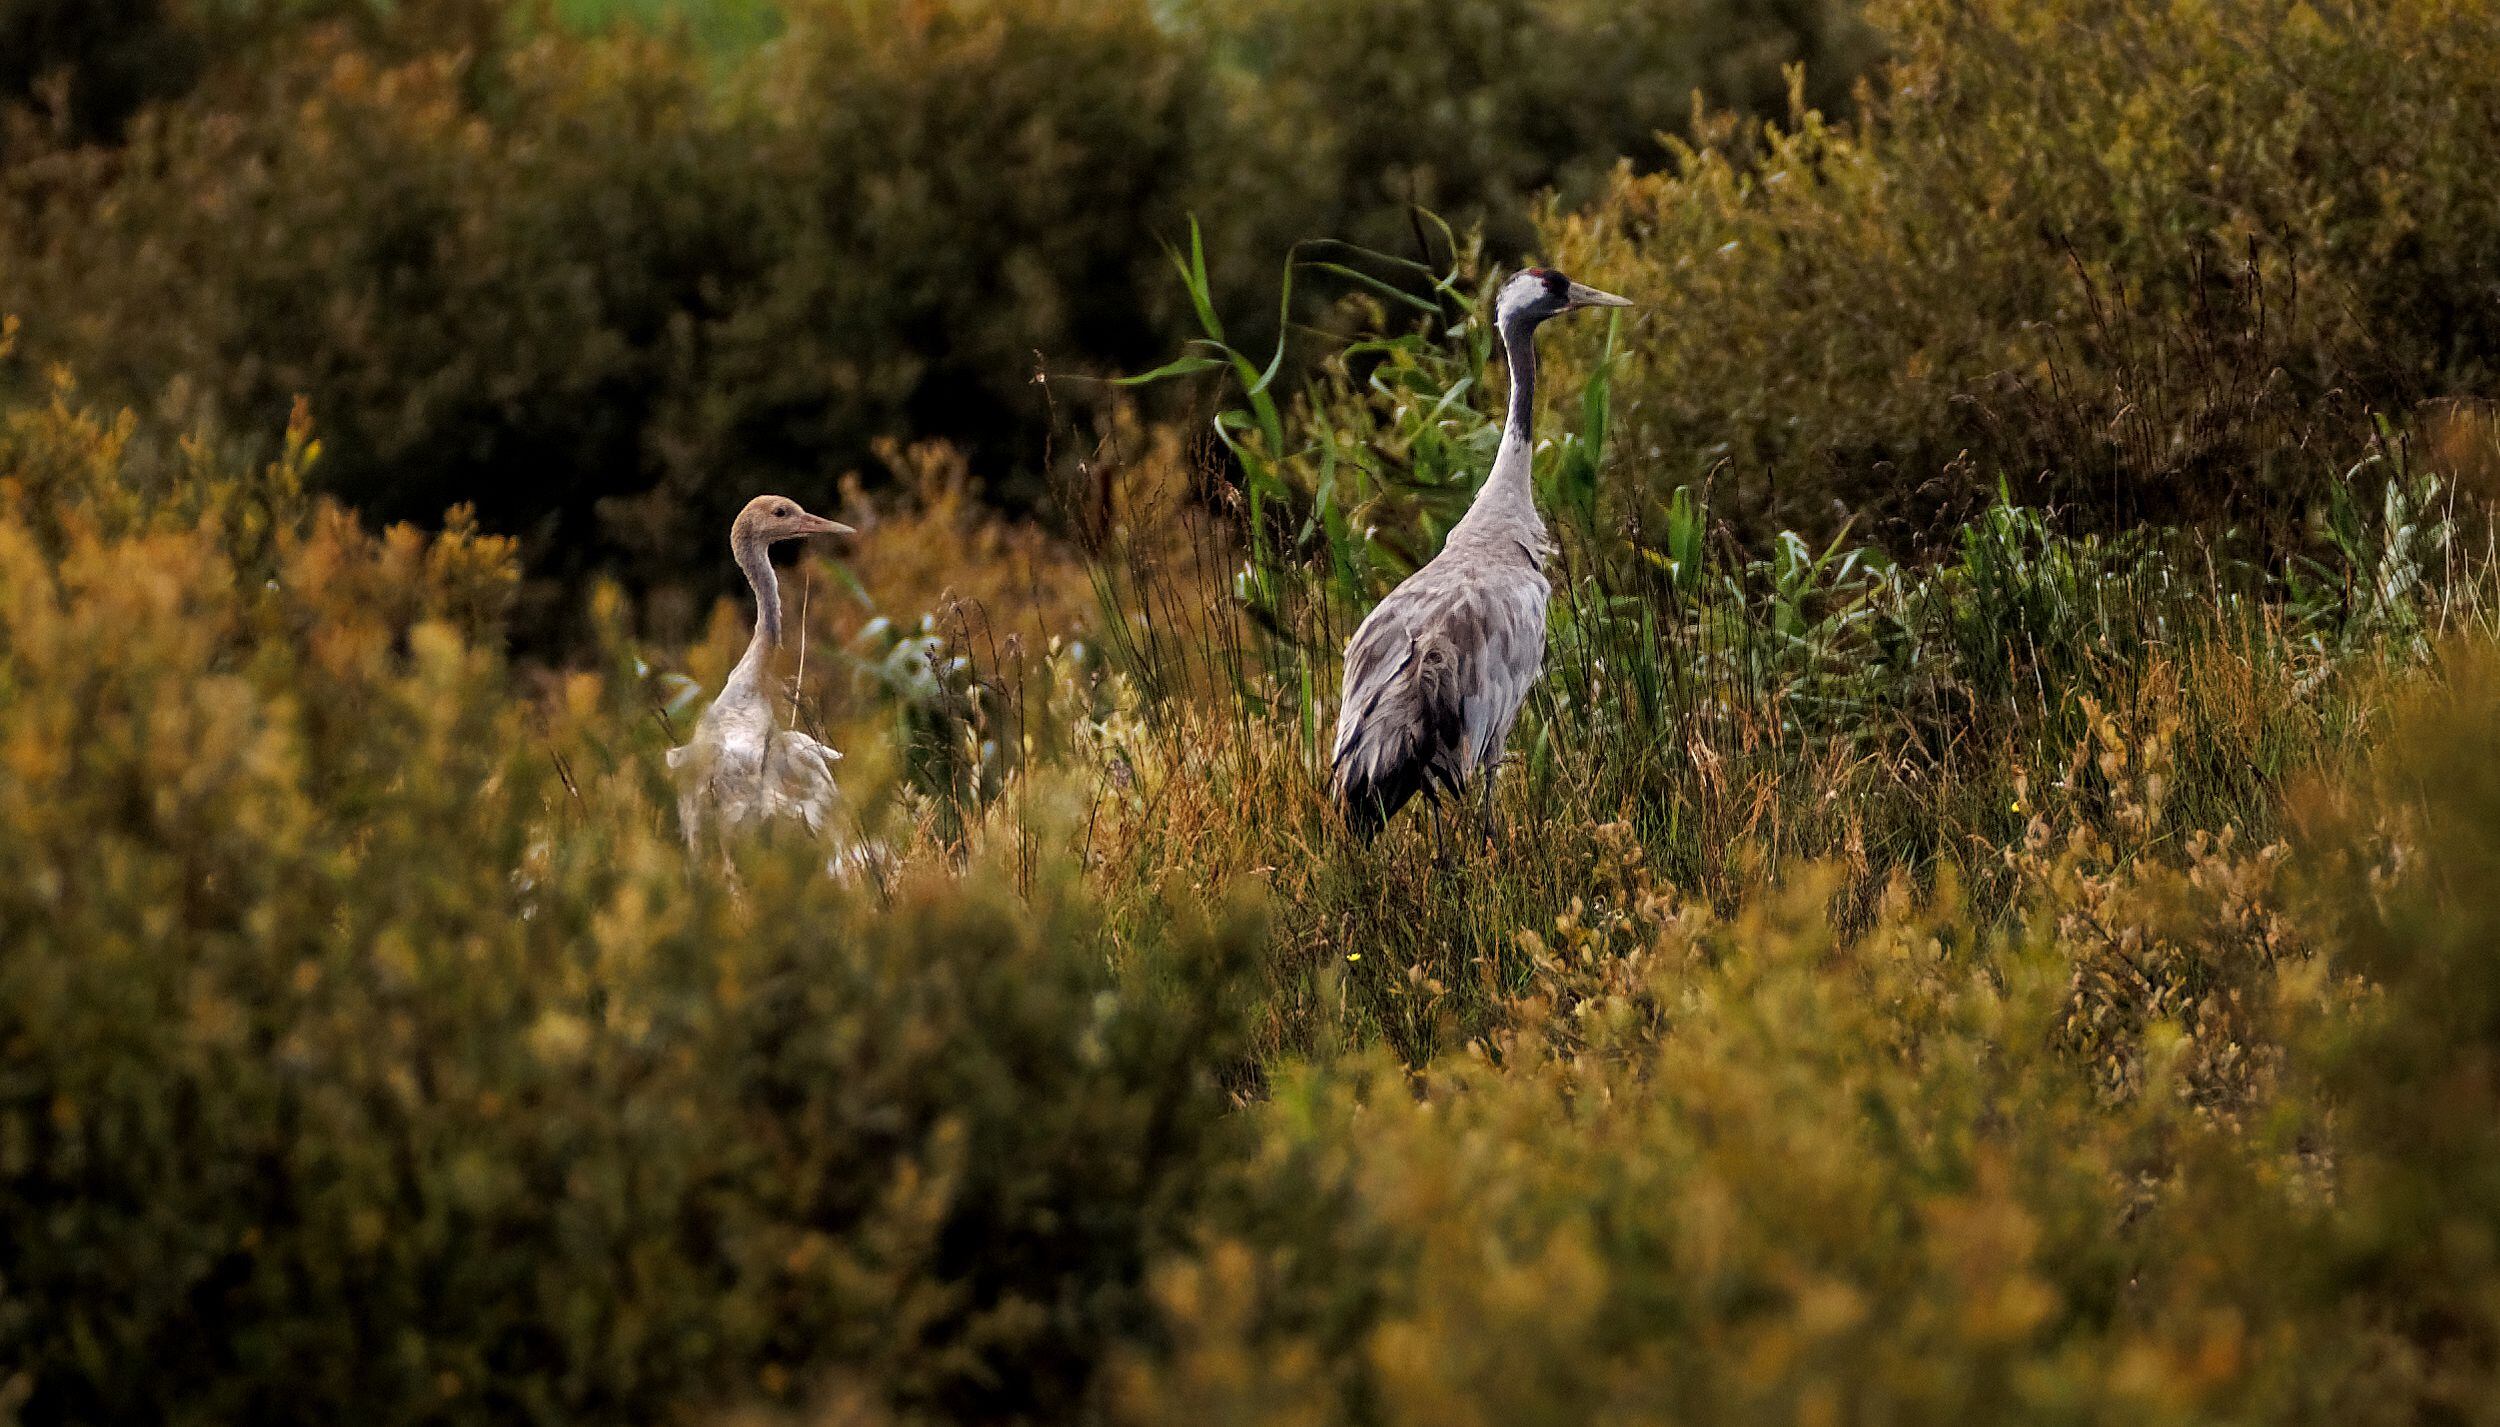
[1437, 672]
[741, 768]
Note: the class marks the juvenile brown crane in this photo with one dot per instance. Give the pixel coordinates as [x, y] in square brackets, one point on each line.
[1436, 673]
[742, 768]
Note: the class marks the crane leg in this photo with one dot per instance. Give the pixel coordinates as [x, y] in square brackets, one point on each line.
[1485, 804]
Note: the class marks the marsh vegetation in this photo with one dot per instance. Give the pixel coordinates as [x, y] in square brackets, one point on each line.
[1990, 915]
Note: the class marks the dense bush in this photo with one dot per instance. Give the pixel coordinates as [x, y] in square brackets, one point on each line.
[602, 287]
[85, 66]
[104, 58]
[2138, 259]
[1474, 109]
[620, 279]
[370, 1052]
[1823, 1178]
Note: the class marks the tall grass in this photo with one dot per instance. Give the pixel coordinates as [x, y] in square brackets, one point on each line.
[1737, 707]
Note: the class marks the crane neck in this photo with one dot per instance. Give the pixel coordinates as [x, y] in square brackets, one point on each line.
[758, 567]
[1519, 348]
[1508, 500]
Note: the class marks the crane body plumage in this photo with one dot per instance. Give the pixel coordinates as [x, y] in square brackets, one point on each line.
[1436, 674]
[1435, 677]
[741, 769]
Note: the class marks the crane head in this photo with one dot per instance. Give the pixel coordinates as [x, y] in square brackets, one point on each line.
[769, 518]
[1535, 294]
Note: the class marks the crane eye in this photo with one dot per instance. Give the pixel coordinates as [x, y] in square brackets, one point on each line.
[781, 510]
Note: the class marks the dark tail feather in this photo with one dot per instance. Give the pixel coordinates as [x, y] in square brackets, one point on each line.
[1364, 818]
[1368, 806]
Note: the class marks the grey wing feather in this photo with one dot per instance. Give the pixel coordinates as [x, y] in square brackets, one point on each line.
[1435, 677]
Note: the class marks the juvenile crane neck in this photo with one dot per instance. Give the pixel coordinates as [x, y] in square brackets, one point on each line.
[758, 567]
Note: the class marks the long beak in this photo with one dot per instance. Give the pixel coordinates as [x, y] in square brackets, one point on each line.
[818, 525]
[1583, 295]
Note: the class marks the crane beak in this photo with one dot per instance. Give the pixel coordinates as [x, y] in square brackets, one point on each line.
[1583, 295]
[818, 525]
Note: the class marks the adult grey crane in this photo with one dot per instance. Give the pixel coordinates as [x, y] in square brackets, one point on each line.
[1436, 673]
[742, 768]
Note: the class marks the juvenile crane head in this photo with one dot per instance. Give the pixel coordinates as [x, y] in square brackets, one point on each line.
[1534, 294]
[771, 518]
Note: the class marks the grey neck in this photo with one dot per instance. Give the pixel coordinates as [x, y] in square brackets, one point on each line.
[1506, 506]
[1519, 345]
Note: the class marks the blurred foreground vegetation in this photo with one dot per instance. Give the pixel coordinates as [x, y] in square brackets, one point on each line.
[1992, 916]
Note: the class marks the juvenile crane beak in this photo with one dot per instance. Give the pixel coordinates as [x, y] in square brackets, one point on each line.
[818, 525]
[1582, 295]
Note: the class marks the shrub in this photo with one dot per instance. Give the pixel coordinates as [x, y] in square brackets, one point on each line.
[372, 1053]
[601, 292]
[106, 58]
[2404, 855]
[601, 287]
[1473, 110]
[964, 191]
[2140, 260]
[1820, 1177]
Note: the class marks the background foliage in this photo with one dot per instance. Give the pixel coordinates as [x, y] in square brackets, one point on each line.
[2009, 945]
[2144, 261]
[601, 284]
